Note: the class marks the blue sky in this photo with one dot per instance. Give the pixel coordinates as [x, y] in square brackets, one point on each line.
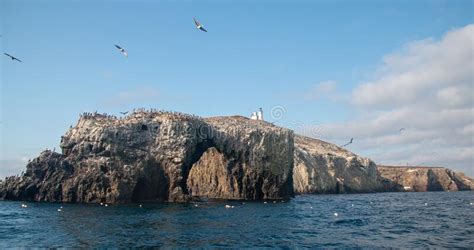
[256, 54]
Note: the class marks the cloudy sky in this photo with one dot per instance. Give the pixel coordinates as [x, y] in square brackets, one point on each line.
[418, 106]
[333, 70]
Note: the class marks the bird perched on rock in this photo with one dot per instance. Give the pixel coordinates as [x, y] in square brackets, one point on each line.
[350, 142]
[12, 57]
[199, 25]
[122, 50]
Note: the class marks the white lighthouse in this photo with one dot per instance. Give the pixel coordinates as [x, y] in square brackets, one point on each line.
[257, 115]
[260, 114]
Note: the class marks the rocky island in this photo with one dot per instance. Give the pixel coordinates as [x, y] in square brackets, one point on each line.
[160, 156]
[167, 156]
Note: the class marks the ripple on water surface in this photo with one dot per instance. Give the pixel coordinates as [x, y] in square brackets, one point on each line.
[363, 220]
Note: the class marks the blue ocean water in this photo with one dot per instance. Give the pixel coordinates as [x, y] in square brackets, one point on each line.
[436, 219]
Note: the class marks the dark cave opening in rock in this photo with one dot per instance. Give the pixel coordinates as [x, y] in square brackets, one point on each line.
[259, 189]
[201, 147]
[152, 185]
[433, 182]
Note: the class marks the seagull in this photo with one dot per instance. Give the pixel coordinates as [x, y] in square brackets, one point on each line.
[400, 130]
[335, 214]
[199, 25]
[124, 113]
[12, 57]
[350, 142]
[122, 50]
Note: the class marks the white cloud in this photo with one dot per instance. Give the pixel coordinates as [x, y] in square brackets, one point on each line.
[421, 69]
[427, 88]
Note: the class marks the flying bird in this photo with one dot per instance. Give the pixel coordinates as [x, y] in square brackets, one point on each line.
[400, 130]
[122, 50]
[124, 113]
[199, 25]
[350, 142]
[12, 57]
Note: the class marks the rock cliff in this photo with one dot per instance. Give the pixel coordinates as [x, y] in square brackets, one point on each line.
[422, 179]
[164, 156]
[322, 167]
[160, 156]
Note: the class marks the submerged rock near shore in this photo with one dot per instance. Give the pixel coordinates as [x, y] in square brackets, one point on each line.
[422, 179]
[160, 156]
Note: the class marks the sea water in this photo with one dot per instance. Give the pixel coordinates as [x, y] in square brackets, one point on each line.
[433, 219]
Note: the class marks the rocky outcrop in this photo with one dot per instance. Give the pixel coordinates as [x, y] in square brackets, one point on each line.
[422, 179]
[164, 156]
[321, 167]
[160, 156]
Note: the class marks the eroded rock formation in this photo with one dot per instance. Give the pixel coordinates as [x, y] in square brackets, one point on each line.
[164, 156]
[322, 167]
[422, 179]
[160, 156]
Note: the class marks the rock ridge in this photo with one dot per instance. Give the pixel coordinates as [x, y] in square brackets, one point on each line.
[160, 156]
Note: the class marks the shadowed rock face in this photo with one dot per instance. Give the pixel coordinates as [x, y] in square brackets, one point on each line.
[422, 179]
[160, 156]
[321, 167]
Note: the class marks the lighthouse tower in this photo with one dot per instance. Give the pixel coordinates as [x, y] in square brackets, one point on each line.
[260, 114]
[257, 115]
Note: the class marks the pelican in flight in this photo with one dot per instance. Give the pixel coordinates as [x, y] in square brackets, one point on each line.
[122, 50]
[350, 142]
[199, 25]
[12, 57]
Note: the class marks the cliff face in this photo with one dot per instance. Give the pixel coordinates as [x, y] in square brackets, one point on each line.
[160, 156]
[422, 179]
[321, 167]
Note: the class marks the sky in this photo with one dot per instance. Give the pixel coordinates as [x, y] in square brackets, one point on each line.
[332, 70]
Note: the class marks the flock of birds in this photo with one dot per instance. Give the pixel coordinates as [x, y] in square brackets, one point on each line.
[198, 25]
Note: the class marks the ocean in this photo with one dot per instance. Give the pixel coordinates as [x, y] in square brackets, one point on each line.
[402, 220]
